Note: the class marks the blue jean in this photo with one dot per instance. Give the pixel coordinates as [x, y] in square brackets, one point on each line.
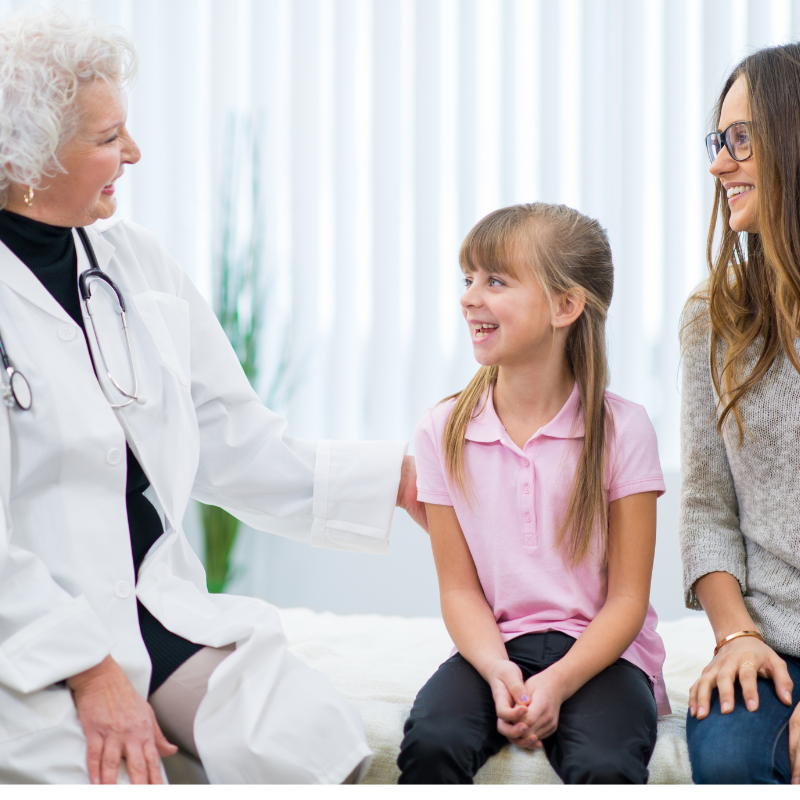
[744, 746]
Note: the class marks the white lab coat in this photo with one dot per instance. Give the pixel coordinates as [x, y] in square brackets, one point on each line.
[67, 587]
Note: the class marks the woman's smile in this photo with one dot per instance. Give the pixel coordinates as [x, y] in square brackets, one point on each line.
[735, 191]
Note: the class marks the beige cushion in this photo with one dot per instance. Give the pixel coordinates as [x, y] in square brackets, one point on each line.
[380, 663]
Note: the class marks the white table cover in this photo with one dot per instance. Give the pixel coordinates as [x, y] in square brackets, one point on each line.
[379, 663]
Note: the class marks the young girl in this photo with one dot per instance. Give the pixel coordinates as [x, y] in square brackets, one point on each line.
[540, 489]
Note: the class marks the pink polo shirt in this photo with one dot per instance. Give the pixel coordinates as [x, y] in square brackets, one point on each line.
[520, 499]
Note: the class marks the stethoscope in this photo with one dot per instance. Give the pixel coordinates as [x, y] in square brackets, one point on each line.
[16, 389]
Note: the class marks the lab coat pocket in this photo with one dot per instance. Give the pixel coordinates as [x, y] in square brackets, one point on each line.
[166, 318]
[24, 714]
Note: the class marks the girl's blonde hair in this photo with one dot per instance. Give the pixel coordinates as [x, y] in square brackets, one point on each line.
[563, 250]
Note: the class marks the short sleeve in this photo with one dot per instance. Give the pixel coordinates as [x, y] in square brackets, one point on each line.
[635, 467]
[431, 483]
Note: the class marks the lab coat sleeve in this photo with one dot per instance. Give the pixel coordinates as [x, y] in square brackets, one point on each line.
[46, 635]
[333, 494]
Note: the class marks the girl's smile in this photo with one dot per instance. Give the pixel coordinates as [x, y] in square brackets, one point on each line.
[481, 331]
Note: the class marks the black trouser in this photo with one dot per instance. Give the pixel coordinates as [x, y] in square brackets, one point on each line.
[606, 731]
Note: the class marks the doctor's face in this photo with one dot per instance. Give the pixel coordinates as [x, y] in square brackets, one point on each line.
[93, 159]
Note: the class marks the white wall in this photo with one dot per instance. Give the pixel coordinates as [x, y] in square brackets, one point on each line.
[388, 128]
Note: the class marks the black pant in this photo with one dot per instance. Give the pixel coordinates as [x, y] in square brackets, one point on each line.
[606, 731]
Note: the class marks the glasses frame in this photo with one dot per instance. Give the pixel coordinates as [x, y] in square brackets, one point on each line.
[724, 136]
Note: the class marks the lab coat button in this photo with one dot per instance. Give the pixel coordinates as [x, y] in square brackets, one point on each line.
[122, 589]
[113, 456]
[66, 333]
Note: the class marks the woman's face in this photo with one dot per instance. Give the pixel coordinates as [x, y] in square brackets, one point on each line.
[738, 178]
[93, 159]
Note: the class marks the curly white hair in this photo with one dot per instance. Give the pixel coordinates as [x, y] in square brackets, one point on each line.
[45, 58]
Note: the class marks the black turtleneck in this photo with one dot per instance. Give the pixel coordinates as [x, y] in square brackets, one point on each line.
[49, 252]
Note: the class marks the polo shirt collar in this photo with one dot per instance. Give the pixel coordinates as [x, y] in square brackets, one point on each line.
[486, 426]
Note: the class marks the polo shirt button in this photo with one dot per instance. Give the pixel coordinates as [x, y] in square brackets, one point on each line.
[113, 456]
[527, 518]
[122, 589]
[526, 463]
[66, 333]
[526, 489]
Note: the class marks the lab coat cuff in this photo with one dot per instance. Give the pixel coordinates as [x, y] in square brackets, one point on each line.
[355, 494]
[68, 640]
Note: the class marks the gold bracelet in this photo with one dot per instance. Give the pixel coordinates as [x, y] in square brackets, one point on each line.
[736, 635]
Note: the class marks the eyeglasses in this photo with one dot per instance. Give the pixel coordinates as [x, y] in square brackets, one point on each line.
[736, 137]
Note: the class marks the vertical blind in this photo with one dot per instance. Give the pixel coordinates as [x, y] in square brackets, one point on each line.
[387, 128]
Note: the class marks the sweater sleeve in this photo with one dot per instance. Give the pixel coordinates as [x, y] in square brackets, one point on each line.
[710, 537]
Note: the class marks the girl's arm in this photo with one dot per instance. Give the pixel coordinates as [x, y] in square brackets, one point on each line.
[468, 617]
[631, 547]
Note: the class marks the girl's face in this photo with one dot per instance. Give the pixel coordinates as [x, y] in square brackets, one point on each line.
[738, 178]
[510, 320]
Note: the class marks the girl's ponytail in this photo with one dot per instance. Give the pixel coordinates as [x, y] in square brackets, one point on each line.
[566, 252]
[588, 504]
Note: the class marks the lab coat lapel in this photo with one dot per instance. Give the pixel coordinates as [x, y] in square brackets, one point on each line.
[17, 276]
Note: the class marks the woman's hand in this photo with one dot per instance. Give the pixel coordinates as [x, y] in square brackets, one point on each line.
[545, 695]
[407, 493]
[118, 723]
[744, 659]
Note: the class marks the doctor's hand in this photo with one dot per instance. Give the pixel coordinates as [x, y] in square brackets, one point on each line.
[118, 723]
[407, 493]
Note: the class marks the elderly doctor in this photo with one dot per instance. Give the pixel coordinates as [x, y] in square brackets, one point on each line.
[112, 652]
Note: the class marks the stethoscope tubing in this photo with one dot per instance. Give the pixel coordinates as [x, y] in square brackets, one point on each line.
[94, 272]
[17, 392]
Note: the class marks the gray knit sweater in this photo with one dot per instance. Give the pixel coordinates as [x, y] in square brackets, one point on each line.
[740, 508]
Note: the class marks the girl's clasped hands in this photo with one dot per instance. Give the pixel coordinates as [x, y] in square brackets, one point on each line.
[527, 711]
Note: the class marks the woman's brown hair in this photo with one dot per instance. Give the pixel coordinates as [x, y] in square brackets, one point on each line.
[564, 251]
[753, 290]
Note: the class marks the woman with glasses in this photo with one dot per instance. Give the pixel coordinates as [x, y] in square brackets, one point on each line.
[123, 398]
[740, 434]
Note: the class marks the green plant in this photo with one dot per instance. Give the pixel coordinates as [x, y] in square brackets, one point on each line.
[239, 300]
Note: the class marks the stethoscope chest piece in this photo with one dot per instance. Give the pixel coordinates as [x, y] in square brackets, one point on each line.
[17, 392]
